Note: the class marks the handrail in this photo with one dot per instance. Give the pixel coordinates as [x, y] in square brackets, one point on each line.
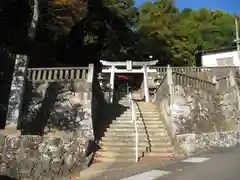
[134, 121]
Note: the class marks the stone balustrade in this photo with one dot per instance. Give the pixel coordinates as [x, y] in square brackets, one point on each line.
[57, 74]
[194, 69]
[183, 79]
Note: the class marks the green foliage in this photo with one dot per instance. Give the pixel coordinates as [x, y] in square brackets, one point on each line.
[188, 31]
[117, 30]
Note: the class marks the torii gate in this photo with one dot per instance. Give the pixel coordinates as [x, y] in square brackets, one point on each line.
[129, 64]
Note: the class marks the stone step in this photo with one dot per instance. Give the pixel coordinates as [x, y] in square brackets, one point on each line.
[140, 133]
[132, 144]
[132, 129]
[151, 120]
[130, 155]
[146, 103]
[139, 125]
[132, 138]
[124, 101]
[118, 154]
[126, 104]
[141, 149]
[122, 149]
[119, 160]
[144, 117]
[138, 116]
[140, 105]
[163, 155]
[129, 121]
[161, 149]
[128, 111]
[143, 109]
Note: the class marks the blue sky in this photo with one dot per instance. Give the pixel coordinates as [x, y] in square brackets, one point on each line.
[232, 6]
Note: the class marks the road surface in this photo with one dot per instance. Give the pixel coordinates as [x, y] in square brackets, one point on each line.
[219, 164]
[222, 166]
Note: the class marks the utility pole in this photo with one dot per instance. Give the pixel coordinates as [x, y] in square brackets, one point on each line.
[237, 40]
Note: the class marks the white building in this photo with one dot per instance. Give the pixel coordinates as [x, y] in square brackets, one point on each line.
[220, 57]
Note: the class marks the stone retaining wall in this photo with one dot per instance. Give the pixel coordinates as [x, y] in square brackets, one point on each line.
[192, 143]
[40, 158]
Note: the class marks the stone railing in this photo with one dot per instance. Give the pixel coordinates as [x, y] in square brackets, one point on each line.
[186, 80]
[57, 74]
[194, 69]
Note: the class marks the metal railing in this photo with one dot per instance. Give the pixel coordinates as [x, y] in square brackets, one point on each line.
[134, 121]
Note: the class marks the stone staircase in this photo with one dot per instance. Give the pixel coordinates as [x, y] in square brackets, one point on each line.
[118, 142]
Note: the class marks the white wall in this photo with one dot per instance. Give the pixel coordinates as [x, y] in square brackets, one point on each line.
[209, 60]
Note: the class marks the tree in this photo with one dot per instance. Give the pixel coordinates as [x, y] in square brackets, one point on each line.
[113, 30]
[187, 32]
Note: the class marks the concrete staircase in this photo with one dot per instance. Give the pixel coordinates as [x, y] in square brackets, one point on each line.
[118, 142]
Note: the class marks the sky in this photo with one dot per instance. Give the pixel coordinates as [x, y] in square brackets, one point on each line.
[231, 6]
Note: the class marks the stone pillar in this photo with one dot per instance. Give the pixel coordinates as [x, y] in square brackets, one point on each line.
[112, 76]
[171, 98]
[214, 80]
[170, 84]
[233, 84]
[146, 90]
[90, 102]
[232, 79]
[17, 90]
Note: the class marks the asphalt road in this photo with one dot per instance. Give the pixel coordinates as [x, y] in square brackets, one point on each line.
[222, 166]
[218, 164]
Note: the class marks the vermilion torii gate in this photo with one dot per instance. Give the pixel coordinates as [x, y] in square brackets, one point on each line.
[142, 67]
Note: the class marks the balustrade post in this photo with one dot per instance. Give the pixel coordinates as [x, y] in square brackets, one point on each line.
[214, 80]
[90, 76]
[146, 90]
[112, 77]
[232, 79]
[170, 84]
[233, 84]
[16, 92]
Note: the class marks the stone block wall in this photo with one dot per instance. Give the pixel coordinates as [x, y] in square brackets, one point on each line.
[229, 98]
[192, 143]
[190, 104]
[56, 124]
[55, 107]
[191, 110]
[195, 111]
[41, 158]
